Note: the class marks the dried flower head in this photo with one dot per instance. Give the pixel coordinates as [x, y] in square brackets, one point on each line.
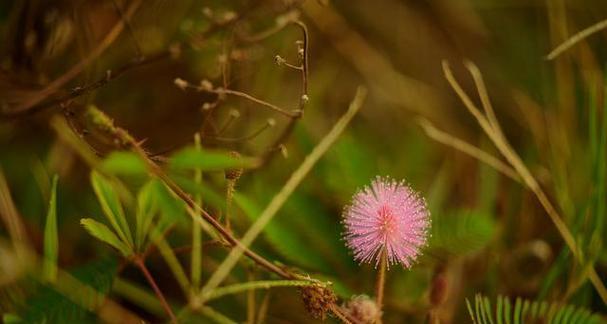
[318, 300]
[387, 216]
[363, 309]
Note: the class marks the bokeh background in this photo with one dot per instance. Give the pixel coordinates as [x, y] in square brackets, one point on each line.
[490, 235]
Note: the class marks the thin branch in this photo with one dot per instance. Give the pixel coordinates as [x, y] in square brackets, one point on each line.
[465, 147]
[141, 265]
[576, 39]
[129, 28]
[279, 199]
[294, 114]
[269, 124]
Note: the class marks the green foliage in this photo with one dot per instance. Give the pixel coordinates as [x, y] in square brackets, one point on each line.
[124, 163]
[51, 242]
[104, 234]
[50, 306]
[291, 245]
[205, 160]
[146, 209]
[111, 206]
[527, 311]
[462, 232]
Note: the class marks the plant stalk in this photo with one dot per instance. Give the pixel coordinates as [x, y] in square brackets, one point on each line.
[380, 284]
[141, 265]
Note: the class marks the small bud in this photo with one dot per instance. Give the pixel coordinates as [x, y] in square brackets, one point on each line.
[229, 16]
[206, 85]
[234, 113]
[271, 122]
[206, 106]
[234, 174]
[318, 300]
[279, 60]
[180, 83]
[207, 12]
[305, 98]
[283, 151]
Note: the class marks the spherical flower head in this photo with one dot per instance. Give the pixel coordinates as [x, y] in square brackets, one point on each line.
[387, 216]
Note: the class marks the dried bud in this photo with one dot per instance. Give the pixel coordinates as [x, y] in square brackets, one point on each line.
[234, 174]
[181, 83]
[318, 300]
[229, 16]
[284, 151]
[207, 12]
[206, 106]
[234, 114]
[363, 309]
[279, 60]
[206, 85]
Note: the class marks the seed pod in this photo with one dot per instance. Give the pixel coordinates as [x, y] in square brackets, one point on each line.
[235, 173]
[318, 300]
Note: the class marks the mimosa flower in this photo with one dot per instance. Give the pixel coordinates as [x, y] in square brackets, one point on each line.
[387, 216]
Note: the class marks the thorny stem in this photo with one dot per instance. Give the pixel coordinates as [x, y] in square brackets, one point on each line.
[157, 171]
[141, 265]
[340, 314]
[380, 283]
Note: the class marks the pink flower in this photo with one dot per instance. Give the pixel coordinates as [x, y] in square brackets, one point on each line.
[387, 216]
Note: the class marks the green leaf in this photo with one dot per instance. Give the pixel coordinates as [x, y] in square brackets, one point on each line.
[124, 163]
[111, 206]
[47, 305]
[290, 244]
[191, 158]
[51, 242]
[103, 233]
[9, 318]
[528, 311]
[462, 232]
[147, 207]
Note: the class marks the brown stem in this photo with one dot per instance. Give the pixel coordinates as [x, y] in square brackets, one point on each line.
[381, 280]
[336, 310]
[157, 171]
[139, 262]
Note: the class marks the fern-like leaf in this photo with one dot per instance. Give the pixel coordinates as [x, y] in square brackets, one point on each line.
[527, 311]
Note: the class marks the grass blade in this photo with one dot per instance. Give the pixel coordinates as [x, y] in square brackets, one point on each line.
[51, 241]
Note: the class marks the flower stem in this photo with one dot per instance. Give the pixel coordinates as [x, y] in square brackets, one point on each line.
[381, 280]
[139, 262]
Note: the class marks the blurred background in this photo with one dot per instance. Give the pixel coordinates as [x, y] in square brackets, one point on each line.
[490, 234]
